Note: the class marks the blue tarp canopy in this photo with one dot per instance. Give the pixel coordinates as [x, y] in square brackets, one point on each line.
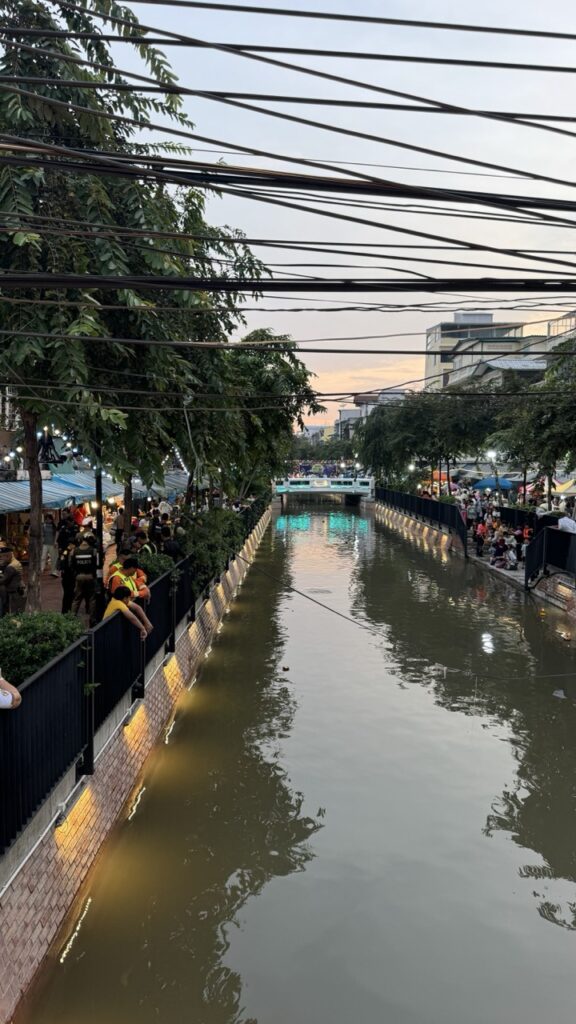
[492, 483]
[63, 488]
[59, 491]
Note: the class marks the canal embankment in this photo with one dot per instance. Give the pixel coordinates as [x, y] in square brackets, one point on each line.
[556, 588]
[43, 870]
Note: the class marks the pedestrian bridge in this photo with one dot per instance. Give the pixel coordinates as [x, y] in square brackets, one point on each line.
[355, 487]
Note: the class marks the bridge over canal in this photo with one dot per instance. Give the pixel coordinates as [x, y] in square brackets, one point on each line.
[353, 488]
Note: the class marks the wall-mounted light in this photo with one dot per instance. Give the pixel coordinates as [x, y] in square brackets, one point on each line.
[66, 806]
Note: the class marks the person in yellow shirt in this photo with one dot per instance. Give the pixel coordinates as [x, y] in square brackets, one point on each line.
[123, 601]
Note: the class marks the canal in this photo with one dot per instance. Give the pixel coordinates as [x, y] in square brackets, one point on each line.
[361, 817]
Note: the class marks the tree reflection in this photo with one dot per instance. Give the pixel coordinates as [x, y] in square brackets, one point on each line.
[482, 650]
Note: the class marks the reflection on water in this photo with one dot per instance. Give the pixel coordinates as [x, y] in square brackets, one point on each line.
[347, 825]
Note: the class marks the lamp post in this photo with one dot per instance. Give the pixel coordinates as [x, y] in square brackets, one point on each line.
[492, 455]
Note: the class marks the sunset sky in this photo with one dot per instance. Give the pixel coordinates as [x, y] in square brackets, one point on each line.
[512, 145]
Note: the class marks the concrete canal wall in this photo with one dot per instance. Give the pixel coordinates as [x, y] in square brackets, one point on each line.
[436, 538]
[42, 873]
[557, 589]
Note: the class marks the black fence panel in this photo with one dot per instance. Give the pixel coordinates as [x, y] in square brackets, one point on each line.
[118, 663]
[437, 513]
[184, 588]
[41, 739]
[534, 562]
[552, 550]
[521, 517]
[159, 610]
[517, 517]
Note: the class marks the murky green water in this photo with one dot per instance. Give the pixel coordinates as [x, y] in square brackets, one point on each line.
[383, 834]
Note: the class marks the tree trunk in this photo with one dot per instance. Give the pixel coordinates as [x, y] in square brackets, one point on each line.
[549, 490]
[190, 488]
[448, 488]
[127, 506]
[30, 425]
[524, 482]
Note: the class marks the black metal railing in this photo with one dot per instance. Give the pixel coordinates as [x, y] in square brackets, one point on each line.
[118, 662]
[519, 518]
[160, 609]
[72, 696]
[436, 513]
[39, 746]
[550, 551]
[185, 595]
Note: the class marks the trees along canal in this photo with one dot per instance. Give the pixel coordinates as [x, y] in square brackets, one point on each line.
[121, 402]
[425, 428]
[529, 426]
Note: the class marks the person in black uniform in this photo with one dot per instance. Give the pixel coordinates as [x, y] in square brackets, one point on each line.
[84, 563]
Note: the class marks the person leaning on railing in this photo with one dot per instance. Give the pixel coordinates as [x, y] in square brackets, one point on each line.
[10, 697]
[123, 601]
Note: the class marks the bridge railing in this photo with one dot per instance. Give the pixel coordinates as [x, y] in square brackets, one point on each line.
[436, 513]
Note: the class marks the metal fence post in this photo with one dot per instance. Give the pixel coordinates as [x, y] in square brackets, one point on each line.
[85, 766]
[138, 688]
[173, 615]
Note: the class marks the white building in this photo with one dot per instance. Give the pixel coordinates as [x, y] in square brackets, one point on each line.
[442, 339]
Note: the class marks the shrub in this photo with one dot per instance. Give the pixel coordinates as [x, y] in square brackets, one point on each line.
[28, 642]
[154, 565]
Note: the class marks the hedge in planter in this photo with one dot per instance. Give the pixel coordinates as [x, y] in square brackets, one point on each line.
[28, 642]
[154, 565]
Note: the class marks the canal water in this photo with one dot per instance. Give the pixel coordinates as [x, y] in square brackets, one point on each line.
[364, 814]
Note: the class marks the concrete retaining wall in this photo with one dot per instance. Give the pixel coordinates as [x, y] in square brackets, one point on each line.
[558, 590]
[39, 886]
[433, 537]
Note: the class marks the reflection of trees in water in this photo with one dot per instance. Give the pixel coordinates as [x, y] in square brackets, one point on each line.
[435, 618]
[220, 820]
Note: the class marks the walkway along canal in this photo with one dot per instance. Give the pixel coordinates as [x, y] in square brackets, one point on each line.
[368, 821]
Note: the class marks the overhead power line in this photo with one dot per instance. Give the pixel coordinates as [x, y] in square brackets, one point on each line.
[153, 282]
[299, 51]
[116, 166]
[242, 348]
[370, 19]
[309, 71]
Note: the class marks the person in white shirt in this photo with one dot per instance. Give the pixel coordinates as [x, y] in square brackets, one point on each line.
[567, 524]
[10, 697]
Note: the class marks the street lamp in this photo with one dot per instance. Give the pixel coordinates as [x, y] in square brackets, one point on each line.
[492, 455]
[411, 467]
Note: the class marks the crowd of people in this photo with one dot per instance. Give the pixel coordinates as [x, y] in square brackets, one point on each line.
[506, 546]
[157, 529]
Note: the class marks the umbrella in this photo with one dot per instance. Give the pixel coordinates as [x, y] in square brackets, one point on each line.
[493, 483]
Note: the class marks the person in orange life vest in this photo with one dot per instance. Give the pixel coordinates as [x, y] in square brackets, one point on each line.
[131, 576]
[117, 564]
[141, 579]
[123, 602]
